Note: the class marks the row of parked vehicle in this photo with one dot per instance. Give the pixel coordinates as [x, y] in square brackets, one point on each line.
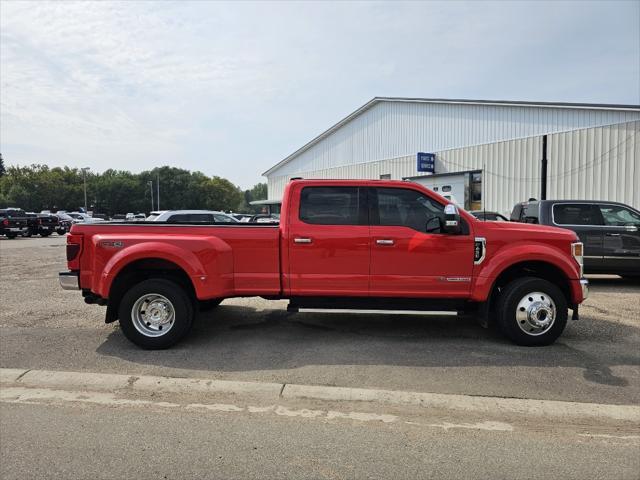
[610, 231]
[16, 222]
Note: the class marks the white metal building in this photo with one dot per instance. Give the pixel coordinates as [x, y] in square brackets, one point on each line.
[488, 154]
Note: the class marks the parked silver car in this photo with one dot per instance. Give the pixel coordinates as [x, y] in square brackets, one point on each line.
[191, 216]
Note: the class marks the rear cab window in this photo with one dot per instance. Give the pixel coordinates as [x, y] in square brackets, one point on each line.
[530, 213]
[576, 214]
[333, 206]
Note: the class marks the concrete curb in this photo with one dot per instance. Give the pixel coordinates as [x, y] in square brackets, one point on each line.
[277, 391]
[10, 375]
[83, 380]
[468, 403]
[198, 385]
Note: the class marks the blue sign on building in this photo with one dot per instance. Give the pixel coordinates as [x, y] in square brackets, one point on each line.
[426, 162]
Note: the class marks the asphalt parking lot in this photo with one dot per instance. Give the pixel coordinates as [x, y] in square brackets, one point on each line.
[42, 327]
[596, 359]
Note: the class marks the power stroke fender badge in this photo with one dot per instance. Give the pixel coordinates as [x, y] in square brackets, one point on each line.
[455, 279]
[112, 244]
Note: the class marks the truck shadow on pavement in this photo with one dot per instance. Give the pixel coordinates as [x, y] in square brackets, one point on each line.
[236, 338]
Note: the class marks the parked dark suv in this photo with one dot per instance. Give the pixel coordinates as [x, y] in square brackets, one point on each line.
[610, 231]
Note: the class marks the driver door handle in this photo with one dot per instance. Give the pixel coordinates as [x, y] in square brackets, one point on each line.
[385, 241]
[302, 240]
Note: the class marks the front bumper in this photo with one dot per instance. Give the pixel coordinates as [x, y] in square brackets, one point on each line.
[584, 284]
[69, 280]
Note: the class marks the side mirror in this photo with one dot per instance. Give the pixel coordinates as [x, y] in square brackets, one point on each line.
[451, 220]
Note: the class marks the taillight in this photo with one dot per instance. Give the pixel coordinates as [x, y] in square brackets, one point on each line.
[72, 251]
[5, 222]
[39, 221]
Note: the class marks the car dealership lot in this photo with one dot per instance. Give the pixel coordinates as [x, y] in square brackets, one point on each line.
[596, 360]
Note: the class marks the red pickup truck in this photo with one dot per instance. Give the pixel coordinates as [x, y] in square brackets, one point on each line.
[340, 244]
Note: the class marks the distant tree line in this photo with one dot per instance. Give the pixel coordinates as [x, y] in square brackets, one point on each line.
[39, 187]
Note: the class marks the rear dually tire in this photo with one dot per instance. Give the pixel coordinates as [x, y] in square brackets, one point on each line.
[156, 313]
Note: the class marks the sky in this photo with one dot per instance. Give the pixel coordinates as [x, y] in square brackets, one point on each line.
[231, 89]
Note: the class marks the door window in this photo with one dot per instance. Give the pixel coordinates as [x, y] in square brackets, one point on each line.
[332, 206]
[577, 214]
[407, 208]
[619, 216]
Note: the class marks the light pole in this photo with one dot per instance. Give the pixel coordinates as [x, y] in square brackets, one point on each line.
[150, 182]
[158, 188]
[84, 177]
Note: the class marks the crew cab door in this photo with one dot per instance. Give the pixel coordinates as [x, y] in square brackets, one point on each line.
[409, 260]
[328, 242]
[621, 242]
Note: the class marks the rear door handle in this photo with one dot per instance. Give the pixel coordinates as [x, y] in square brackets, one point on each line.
[302, 240]
[385, 241]
[612, 234]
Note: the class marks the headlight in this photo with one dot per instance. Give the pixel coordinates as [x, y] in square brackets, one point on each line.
[577, 250]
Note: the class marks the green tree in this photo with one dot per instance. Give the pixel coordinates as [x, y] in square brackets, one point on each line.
[257, 192]
[38, 187]
[3, 171]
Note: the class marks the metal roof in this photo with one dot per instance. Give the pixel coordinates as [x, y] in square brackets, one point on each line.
[376, 100]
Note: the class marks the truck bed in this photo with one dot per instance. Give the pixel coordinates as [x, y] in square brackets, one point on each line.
[222, 260]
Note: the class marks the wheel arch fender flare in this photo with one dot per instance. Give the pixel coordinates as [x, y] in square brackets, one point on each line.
[521, 256]
[205, 270]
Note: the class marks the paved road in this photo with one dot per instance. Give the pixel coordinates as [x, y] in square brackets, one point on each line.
[226, 440]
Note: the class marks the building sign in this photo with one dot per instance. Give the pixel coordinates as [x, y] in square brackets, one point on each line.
[426, 162]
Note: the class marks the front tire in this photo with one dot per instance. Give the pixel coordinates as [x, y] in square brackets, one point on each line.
[156, 314]
[532, 311]
[11, 236]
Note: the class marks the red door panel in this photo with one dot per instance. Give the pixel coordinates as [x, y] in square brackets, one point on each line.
[333, 260]
[419, 264]
[405, 260]
[328, 242]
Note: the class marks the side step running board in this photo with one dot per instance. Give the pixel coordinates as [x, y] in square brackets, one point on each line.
[368, 304]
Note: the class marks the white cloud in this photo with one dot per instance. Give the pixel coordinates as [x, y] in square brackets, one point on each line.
[231, 88]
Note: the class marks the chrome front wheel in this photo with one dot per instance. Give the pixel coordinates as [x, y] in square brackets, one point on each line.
[536, 312]
[531, 311]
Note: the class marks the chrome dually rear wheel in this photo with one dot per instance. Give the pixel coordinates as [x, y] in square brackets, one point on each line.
[153, 315]
[156, 313]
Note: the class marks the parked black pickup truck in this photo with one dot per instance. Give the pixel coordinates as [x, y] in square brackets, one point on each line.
[47, 224]
[43, 224]
[12, 222]
[610, 231]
